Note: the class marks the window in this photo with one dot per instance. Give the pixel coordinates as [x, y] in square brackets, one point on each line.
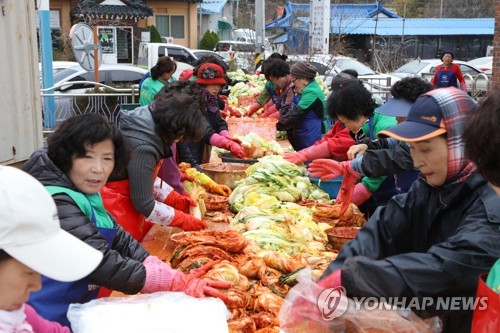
[124, 76]
[163, 24]
[244, 47]
[222, 47]
[171, 25]
[468, 70]
[177, 26]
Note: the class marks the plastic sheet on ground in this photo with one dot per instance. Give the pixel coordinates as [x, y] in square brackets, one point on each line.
[159, 312]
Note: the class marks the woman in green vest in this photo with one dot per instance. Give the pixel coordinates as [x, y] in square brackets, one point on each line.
[161, 74]
[81, 155]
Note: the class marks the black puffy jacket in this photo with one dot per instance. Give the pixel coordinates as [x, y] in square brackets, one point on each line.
[428, 242]
[121, 268]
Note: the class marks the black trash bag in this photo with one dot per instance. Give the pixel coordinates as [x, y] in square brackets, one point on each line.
[290, 116]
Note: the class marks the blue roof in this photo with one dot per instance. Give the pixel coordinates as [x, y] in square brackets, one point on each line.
[209, 7]
[280, 39]
[412, 27]
[344, 11]
[419, 27]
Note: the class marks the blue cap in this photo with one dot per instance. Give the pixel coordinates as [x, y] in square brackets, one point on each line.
[424, 121]
[395, 107]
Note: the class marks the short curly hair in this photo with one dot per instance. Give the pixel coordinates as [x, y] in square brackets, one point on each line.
[72, 135]
[177, 111]
[482, 137]
[351, 102]
[275, 67]
[410, 88]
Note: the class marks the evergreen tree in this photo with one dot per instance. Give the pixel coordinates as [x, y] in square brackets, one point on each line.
[209, 40]
[155, 34]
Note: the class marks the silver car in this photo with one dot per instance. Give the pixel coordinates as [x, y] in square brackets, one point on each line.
[425, 68]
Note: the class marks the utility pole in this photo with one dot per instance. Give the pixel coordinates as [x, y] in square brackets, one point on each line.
[46, 60]
[374, 40]
[260, 17]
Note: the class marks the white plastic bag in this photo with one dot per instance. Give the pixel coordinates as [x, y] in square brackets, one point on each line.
[159, 312]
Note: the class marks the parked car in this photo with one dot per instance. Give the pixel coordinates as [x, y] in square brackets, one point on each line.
[328, 66]
[150, 52]
[201, 53]
[108, 74]
[58, 66]
[426, 68]
[242, 52]
[76, 80]
[484, 63]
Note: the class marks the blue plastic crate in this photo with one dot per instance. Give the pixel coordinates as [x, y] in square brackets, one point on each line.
[331, 186]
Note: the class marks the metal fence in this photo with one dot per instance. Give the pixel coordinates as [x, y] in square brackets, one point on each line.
[103, 103]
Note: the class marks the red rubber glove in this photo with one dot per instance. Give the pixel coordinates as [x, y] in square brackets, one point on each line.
[186, 222]
[360, 194]
[295, 158]
[331, 281]
[252, 109]
[463, 86]
[179, 201]
[192, 285]
[302, 306]
[186, 193]
[184, 177]
[329, 169]
[269, 111]
[228, 136]
[308, 154]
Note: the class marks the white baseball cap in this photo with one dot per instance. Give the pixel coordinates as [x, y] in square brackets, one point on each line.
[30, 231]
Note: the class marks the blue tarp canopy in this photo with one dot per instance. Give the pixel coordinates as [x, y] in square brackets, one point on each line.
[351, 19]
[280, 39]
[346, 11]
[209, 7]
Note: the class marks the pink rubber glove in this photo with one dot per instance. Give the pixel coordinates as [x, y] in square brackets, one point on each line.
[331, 281]
[295, 158]
[329, 169]
[187, 222]
[310, 153]
[269, 111]
[222, 142]
[252, 109]
[159, 275]
[228, 136]
[192, 285]
[360, 194]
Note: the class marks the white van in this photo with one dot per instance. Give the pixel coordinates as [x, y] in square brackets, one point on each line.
[150, 52]
[242, 52]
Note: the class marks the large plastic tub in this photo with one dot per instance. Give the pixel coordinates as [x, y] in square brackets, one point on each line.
[331, 186]
[264, 127]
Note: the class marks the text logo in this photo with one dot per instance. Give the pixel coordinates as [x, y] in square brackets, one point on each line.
[332, 303]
